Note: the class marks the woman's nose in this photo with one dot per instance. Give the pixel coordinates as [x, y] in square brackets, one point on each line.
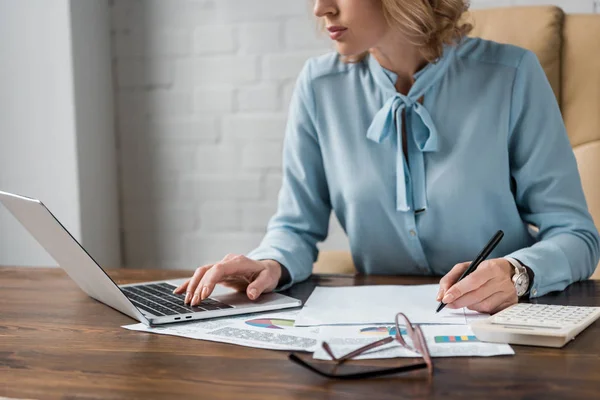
[324, 7]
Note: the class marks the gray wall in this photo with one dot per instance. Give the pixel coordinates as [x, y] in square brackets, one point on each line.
[57, 126]
[95, 130]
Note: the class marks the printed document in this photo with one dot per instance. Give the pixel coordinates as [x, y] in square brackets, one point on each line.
[273, 331]
[376, 304]
[442, 341]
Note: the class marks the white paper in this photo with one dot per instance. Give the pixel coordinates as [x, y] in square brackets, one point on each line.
[376, 304]
[244, 330]
[452, 341]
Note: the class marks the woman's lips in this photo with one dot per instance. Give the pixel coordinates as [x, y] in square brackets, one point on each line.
[336, 32]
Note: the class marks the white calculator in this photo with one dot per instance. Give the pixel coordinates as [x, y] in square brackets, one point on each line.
[536, 324]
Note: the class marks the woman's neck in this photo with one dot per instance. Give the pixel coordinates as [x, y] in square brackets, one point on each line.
[402, 59]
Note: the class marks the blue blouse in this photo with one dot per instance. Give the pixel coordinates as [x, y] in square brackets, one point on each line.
[487, 150]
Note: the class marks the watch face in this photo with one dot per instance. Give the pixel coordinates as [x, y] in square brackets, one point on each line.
[521, 284]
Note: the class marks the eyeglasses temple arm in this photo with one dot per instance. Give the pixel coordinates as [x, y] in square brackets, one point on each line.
[358, 351]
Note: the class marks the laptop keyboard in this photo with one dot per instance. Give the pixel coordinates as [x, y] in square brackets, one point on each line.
[158, 299]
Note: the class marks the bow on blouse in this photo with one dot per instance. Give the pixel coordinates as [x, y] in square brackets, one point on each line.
[421, 133]
[422, 136]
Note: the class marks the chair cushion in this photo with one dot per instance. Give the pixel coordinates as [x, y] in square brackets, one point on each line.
[581, 78]
[538, 29]
[581, 103]
[334, 262]
[588, 162]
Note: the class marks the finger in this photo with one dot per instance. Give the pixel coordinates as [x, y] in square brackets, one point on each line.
[229, 257]
[181, 288]
[450, 278]
[191, 287]
[238, 265]
[226, 258]
[184, 285]
[474, 281]
[259, 285]
[242, 279]
[477, 295]
[491, 303]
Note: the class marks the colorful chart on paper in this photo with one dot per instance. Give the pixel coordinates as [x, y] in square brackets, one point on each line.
[455, 339]
[381, 330]
[271, 323]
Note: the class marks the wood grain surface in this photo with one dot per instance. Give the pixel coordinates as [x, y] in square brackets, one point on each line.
[55, 342]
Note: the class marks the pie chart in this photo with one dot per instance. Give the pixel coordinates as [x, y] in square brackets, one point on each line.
[271, 323]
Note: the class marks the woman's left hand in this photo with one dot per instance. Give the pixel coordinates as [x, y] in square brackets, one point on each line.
[488, 289]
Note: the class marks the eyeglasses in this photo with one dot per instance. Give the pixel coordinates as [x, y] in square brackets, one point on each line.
[419, 346]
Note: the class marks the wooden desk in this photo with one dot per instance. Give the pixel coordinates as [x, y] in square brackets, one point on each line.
[55, 342]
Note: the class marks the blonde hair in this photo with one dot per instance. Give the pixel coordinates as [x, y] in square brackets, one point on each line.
[428, 24]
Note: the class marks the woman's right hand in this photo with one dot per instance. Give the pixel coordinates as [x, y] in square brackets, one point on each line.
[236, 271]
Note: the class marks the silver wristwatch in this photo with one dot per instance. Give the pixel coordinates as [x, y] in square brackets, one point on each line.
[520, 277]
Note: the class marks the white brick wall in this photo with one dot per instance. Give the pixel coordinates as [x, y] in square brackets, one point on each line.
[202, 89]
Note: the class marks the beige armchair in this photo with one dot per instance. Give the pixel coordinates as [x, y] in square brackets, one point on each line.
[569, 50]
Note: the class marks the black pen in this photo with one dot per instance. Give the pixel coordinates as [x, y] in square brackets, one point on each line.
[475, 263]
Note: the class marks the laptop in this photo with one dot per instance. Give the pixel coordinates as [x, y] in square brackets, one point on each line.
[152, 303]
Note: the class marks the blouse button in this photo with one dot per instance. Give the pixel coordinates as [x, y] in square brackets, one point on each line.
[413, 233]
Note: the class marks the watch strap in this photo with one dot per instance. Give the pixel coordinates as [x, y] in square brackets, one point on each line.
[515, 263]
[518, 265]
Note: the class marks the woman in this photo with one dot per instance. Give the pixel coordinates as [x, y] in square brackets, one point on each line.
[424, 143]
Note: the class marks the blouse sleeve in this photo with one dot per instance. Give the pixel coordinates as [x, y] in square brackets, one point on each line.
[547, 186]
[302, 217]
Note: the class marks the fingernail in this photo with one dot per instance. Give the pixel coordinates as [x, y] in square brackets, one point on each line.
[448, 298]
[440, 295]
[253, 293]
[195, 299]
[204, 292]
[187, 298]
